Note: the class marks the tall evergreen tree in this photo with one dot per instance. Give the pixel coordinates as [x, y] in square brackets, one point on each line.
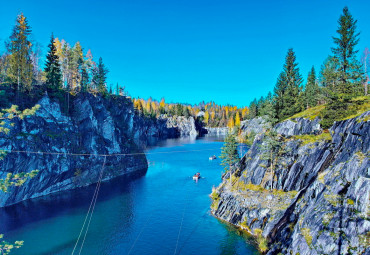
[349, 68]
[100, 77]
[268, 109]
[52, 68]
[84, 79]
[311, 92]
[253, 109]
[229, 152]
[279, 92]
[20, 49]
[288, 88]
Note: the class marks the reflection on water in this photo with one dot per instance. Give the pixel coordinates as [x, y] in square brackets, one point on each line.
[161, 211]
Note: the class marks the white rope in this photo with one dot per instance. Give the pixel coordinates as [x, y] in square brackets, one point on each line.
[96, 198]
[194, 229]
[182, 221]
[88, 212]
[101, 155]
[142, 229]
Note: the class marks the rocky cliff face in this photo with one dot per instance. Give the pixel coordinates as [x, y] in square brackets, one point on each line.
[315, 201]
[94, 126]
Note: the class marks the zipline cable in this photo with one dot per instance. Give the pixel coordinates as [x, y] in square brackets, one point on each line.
[182, 221]
[141, 231]
[101, 155]
[90, 207]
[194, 229]
[96, 198]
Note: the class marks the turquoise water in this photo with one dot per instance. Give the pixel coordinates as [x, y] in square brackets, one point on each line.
[160, 212]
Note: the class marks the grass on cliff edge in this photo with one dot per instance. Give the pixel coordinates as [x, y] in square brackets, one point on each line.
[307, 139]
[358, 107]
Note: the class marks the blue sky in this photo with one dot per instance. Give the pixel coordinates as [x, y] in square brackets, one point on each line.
[189, 51]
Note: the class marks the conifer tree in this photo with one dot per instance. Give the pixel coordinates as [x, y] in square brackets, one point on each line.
[273, 148]
[349, 68]
[100, 77]
[311, 92]
[229, 152]
[253, 111]
[20, 49]
[52, 68]
[84, 79]
[291, 102]
[288, 88]
[268, 109]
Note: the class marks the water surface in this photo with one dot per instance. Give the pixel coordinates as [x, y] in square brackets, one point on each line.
[161, 211]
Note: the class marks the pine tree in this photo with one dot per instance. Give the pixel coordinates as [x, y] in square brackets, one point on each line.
[100, 77]
[311, 91]
[273, 148]
[84, 79]
[268, 109]
[349, 68]
[348, 72]
[20, 49]
[229, 152]
[329, 77]
[279, 92]
[293, 79]
[52, 68]
[253, 110]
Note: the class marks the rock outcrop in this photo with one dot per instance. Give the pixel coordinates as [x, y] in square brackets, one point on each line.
[94, 125]
[316, 199]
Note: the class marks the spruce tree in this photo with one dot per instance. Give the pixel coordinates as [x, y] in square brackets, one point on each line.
[311, 92]
[268, 109]
[20, 49]
[84, 79]
[52, 68]
[328, 75]
[100, 77]
[349, 68]
[279, 92]
[291, 102]
[273, 148]
[229, 152]
[253, 109]
[288, 88]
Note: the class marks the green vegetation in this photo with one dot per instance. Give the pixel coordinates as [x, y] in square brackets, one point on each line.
[332, 95]
[273, 148]
[261, 241]
[333, 199]
[6, 247]
[327, 218]
[350, 201]
[307, 139]
[321, 177]
[356, 107]
[16, 179]
[229, 152]
[13, 179]
[310, 113]
[306, 232]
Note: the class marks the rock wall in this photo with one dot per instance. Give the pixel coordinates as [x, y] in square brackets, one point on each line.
[316, 201]
[94, 125]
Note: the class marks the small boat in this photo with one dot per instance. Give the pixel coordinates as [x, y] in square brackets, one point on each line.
[196, 176]
[212, 157]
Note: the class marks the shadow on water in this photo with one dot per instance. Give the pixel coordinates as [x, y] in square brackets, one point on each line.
[33, 210]
[229, 246]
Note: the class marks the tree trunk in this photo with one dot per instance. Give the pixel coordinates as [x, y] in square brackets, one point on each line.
[272, 163]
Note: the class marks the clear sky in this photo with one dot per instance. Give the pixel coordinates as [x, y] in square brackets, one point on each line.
[192, 50]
